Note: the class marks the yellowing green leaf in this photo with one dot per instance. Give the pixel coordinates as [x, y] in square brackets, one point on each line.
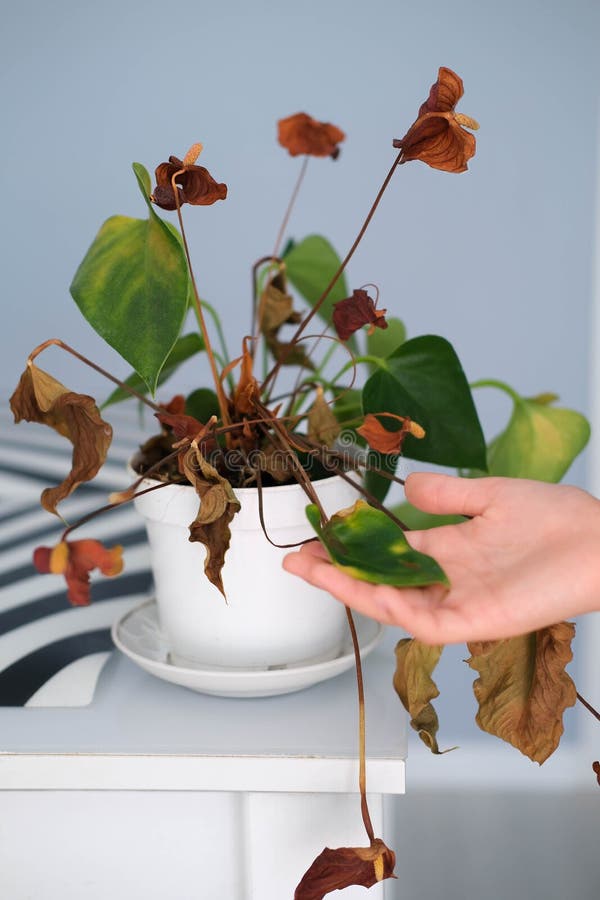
[523, 689]
[367, 544]
[414, 685]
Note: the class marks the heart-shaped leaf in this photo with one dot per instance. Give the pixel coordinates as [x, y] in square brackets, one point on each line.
[367, 544]
[424, 380]
[132, 287]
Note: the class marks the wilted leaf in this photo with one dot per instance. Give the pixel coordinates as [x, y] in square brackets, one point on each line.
[75, 560]
[337, 869]
[424, 380]
[211, 525]
[247, 389]
[323, 426]
[414, 685]
[523, 689]
[41, 398]
[368, 545]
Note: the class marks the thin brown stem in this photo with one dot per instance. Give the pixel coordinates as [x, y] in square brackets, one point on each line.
[56, 342]
[223, 406]
[272, 374]
[259, 262]
[102, 509]
[362, 761]
[588, 706]
[290, 205]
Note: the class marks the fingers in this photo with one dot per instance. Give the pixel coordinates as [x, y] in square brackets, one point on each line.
[448, 494]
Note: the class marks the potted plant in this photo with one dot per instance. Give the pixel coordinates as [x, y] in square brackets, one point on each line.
[258, 454]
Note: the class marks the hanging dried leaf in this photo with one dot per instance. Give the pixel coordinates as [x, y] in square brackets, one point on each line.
[596, 770]
[75, 560]
[338, 869]
[275, 462]
[218, 505]
[41, 398]
[247, 390]
[438, 137]
[275, 310]
[301, 134]
[352, 313]
[384, 441]
[323, 426]
[523, 689]
[413, 683]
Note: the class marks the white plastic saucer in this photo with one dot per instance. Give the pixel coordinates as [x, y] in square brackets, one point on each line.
[137, 634]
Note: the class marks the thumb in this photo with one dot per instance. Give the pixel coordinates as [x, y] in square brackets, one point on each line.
[449, 494]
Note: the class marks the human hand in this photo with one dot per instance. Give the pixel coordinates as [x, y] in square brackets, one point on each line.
[528, 557]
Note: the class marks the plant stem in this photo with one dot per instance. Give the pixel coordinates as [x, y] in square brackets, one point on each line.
[362, 771]
[56, 342]
[341, 268]
[290, 205]
[500, 385]
[198, 309]
[588, 706]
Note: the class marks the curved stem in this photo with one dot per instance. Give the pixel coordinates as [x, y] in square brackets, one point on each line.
[290, 205]
[362, 762]
[500, 385]
[56, 342]
[272, 374]
[198, 309]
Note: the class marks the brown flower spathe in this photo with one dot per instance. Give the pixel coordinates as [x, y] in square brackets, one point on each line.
[340, 868]
[352, 313]
[301, 134]
[194, 183]
[438, 137]
[390, 442]
[75, 560]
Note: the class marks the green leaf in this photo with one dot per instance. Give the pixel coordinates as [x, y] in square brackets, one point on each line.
[417, 520]
[414, 685]
[310, 266]
[385, 341]
[424, 380]
[368, 545]
[202, 404]
[184, 348]
[540, 441]
[143, 180]
[132, 287]
[378, 485]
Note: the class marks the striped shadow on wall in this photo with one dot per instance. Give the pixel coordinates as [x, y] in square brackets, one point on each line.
[52, 654]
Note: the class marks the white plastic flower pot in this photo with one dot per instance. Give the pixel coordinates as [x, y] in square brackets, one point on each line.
[270, 618]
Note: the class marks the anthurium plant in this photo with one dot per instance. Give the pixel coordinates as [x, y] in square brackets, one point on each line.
[360, 395]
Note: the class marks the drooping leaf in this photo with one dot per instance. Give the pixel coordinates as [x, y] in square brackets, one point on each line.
[424, 380]
[218, 505]
[383, 342]
[338, 869]
[540, 441]
[75, 560]
[323, 426]
[184, 348]
[523, 688]
[310, 266]
[132, 287]
[414, 685]
[367, 544]
[41, 398]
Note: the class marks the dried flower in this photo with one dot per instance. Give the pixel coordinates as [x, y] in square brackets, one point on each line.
[352, 313]
[194, 183]
[438, 137]
[75, 560]
[301, 134]
[384, 441]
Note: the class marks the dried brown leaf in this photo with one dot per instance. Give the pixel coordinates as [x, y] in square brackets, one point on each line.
[218, 505]
[413, 683]
[301, 134]
[41, 398]
[323, 426]
[523, 689]
[338, 869]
